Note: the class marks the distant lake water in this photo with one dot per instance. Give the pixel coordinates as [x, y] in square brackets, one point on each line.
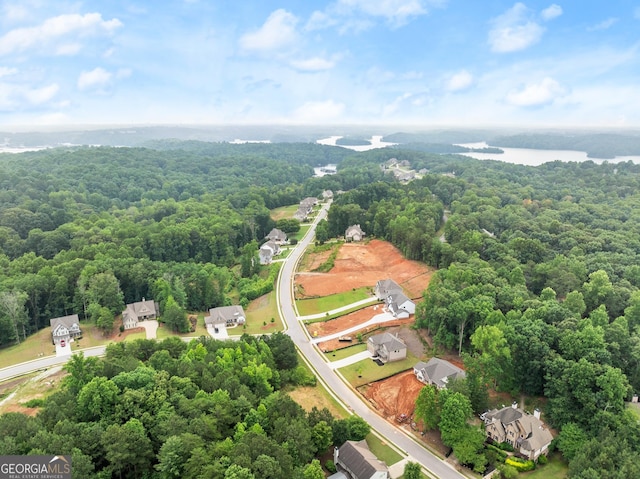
[526, 156]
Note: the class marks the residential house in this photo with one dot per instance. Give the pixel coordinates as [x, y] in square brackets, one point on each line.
[525, 432]
[354, 460]
[65, 329]
[268, 251]
[437, 372]
[225, 315]
[327, 195]
[387, 347]
[354, 233]
[397, 302]
[305, 207]
[135, 312]
[277, 236]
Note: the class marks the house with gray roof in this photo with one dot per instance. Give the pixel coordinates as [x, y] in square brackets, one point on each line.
[397, 302]
[225, 315]
[277, 236]
[354, 460]
[354, 233]
[140, 311]
[438, 372]
[387, 347]
[525, 432]
[65, 329]
[268, 251]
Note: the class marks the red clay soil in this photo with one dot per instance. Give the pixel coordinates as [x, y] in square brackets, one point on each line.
[360, 265]
[394, 396]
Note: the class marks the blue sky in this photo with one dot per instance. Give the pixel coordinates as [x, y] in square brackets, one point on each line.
[422, 62]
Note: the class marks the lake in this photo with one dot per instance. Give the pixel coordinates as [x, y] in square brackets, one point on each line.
[530, 157]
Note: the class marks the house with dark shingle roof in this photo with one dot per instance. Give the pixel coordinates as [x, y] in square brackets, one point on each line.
[387, 347]
[354, 460]
[268, 251]
[277, 236]
[525, 432]
[437, 372]
[65, 329]
[227, 315]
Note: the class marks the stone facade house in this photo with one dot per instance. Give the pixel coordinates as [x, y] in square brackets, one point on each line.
[387, 347]
[225, 315]
[354, 233]
[354, 460]
[525, 432]
[65, 329]
[140, 311]
[438, 372]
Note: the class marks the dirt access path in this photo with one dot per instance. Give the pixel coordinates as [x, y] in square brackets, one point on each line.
[360, 265]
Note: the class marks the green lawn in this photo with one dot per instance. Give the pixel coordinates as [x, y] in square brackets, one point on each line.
[556, 468]
[260, 310]
[346, 352]
[39, 344]
[300, 234]
[382, 450]
[366, 371]
[284, 212]
[327, 303]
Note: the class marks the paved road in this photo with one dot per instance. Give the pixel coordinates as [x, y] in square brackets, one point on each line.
[340, 389]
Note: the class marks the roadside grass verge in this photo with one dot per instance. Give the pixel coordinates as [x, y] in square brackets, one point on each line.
[307, 307]
[300, 234]
[346, 352]
[328, 317]
[259, 311]
[367, 371]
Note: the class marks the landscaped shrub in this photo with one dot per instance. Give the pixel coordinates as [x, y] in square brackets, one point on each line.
[505, 446]
[520, 464]
[39, 402]
[507, 472]
[330, 466]
[542, 460]
[501, 455]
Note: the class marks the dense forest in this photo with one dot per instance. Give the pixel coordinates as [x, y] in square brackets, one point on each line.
[209, 409]
[538, 282]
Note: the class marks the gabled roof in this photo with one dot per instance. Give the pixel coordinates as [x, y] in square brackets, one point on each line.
[439, 371]
[354, 229]
[536, 433]
[388, 340]
[388, 286]
[224, 314]
[71, 323]
[141, 308]
[357, 457]
[277, 235]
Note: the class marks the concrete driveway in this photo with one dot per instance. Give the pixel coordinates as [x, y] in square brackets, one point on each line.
[221, 334]
[63, 350]
[151, 327]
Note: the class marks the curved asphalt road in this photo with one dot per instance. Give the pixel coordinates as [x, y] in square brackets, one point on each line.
[342, 391]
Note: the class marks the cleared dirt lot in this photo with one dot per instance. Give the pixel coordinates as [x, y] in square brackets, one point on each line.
[360, 265]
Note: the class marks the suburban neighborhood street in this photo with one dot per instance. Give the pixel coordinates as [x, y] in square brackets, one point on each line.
[346, 394]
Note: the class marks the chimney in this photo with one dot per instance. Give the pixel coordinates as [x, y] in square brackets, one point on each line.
[514, 405]
[536, 413]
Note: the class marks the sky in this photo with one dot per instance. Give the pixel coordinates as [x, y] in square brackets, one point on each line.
[410, 62]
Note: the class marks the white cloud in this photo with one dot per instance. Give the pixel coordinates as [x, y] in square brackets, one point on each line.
[38, 96]
[96, 79]
[5, 71]
[604, 25]
[551, 12]
[314, 64]
[68, 49]
[319, 111]
[459, 81]
[54, 28]
[514, 30]
[279, 30]
[536, 94]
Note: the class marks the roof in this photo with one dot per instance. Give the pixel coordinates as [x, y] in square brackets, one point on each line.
[270, 245]
[536, 433]
[276, 234]
[354, 229]
[387, 340]
[224, 314]
[439, 371]
[388, 286]
[69, 322]
[357, 457]
[141, 308]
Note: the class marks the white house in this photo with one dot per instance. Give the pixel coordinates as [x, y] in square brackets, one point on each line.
[135, 312]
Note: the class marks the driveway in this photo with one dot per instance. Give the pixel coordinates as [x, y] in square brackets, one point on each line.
[63, 350]
[340, 363]
[378, 318]
[151, 327]
[221, 334]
